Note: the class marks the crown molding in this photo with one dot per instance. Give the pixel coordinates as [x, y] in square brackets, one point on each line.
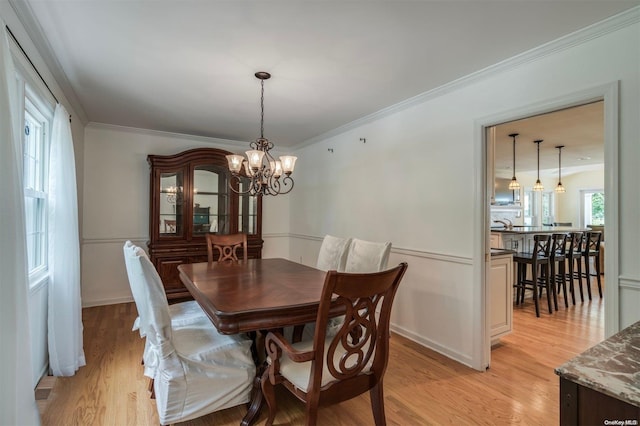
[230, 144]
[599, 29]
[41, 43]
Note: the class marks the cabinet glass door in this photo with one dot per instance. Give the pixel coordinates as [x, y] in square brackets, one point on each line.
[247, 211]
[211, 203]
[171, 204]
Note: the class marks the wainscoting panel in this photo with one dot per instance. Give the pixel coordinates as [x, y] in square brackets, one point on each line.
[433, 305]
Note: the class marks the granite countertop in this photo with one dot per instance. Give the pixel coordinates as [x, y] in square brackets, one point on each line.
[538, 229]
[501, 252]
[611, 367]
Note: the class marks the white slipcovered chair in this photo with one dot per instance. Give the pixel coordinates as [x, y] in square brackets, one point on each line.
[332, 257]
[333, 253]
[196, 370]
[360, 256]
[367, 256]
[182, 314]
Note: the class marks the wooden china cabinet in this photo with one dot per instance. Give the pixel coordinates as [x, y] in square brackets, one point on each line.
[190, 196]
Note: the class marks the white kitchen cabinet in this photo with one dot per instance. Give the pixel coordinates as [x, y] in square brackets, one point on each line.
[501, 295]
[496, 240]
[514, 241]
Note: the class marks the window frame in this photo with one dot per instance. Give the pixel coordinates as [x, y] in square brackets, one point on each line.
[34, 104]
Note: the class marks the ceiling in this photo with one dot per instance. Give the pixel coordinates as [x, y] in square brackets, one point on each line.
[188, 66]
[579, 129]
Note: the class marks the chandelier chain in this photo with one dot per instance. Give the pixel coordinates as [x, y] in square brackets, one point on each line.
[262, 110]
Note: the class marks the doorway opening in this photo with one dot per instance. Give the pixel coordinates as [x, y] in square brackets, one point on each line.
[546, 207]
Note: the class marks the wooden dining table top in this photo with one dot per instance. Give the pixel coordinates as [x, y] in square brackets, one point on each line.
[255, 294]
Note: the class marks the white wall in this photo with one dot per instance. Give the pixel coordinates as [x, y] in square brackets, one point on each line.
[413, 183]
[116, 204]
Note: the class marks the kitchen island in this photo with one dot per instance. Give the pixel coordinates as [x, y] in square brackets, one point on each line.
[602, 385]
[520, 238]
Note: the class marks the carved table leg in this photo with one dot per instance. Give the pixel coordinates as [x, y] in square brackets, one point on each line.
[257, 400]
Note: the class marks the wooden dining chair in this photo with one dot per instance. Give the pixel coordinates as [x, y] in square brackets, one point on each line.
[343, 366]
[359, 256]
[169, 226]
[227, 246]
[332, 257]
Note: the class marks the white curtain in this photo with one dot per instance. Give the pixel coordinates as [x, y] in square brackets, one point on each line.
[66, 354]
[17, 401]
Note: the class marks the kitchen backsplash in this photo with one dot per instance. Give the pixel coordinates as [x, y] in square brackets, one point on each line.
[511, 214]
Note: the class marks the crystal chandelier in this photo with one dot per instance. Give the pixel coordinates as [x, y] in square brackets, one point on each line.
[538, 185]
[264, 173]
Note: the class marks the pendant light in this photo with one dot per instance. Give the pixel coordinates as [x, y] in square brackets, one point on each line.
[559, 188]
[514, 184]
[538, 185]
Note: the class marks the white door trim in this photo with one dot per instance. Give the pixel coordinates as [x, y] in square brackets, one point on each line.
[610, 94]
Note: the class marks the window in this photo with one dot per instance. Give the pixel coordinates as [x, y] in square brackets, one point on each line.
[35, 151]
[593, 207]
[547, 208]
[530, 208]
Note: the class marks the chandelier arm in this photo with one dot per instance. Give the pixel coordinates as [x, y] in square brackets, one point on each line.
[238, 179]
[284, 182]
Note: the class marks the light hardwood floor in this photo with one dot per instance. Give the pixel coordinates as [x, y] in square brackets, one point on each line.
[422, 387]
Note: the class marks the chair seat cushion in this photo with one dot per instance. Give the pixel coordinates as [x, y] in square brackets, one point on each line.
[201, 341]
[181, 314]
[207, 372]
[299, 373]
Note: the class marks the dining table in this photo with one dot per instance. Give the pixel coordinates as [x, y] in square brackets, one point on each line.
[255, 296]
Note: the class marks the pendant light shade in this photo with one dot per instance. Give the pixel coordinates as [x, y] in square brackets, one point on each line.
[514, 184]
[559, 188]
[538, 185]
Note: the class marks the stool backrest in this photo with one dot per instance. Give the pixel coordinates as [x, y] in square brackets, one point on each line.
[541, 245]
[575, 243]
[592, 241]
[558, 245]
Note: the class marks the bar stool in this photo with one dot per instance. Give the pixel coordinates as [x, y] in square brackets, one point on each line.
[558, 258]
[591, 249]
[574, 259]
[540, 277]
